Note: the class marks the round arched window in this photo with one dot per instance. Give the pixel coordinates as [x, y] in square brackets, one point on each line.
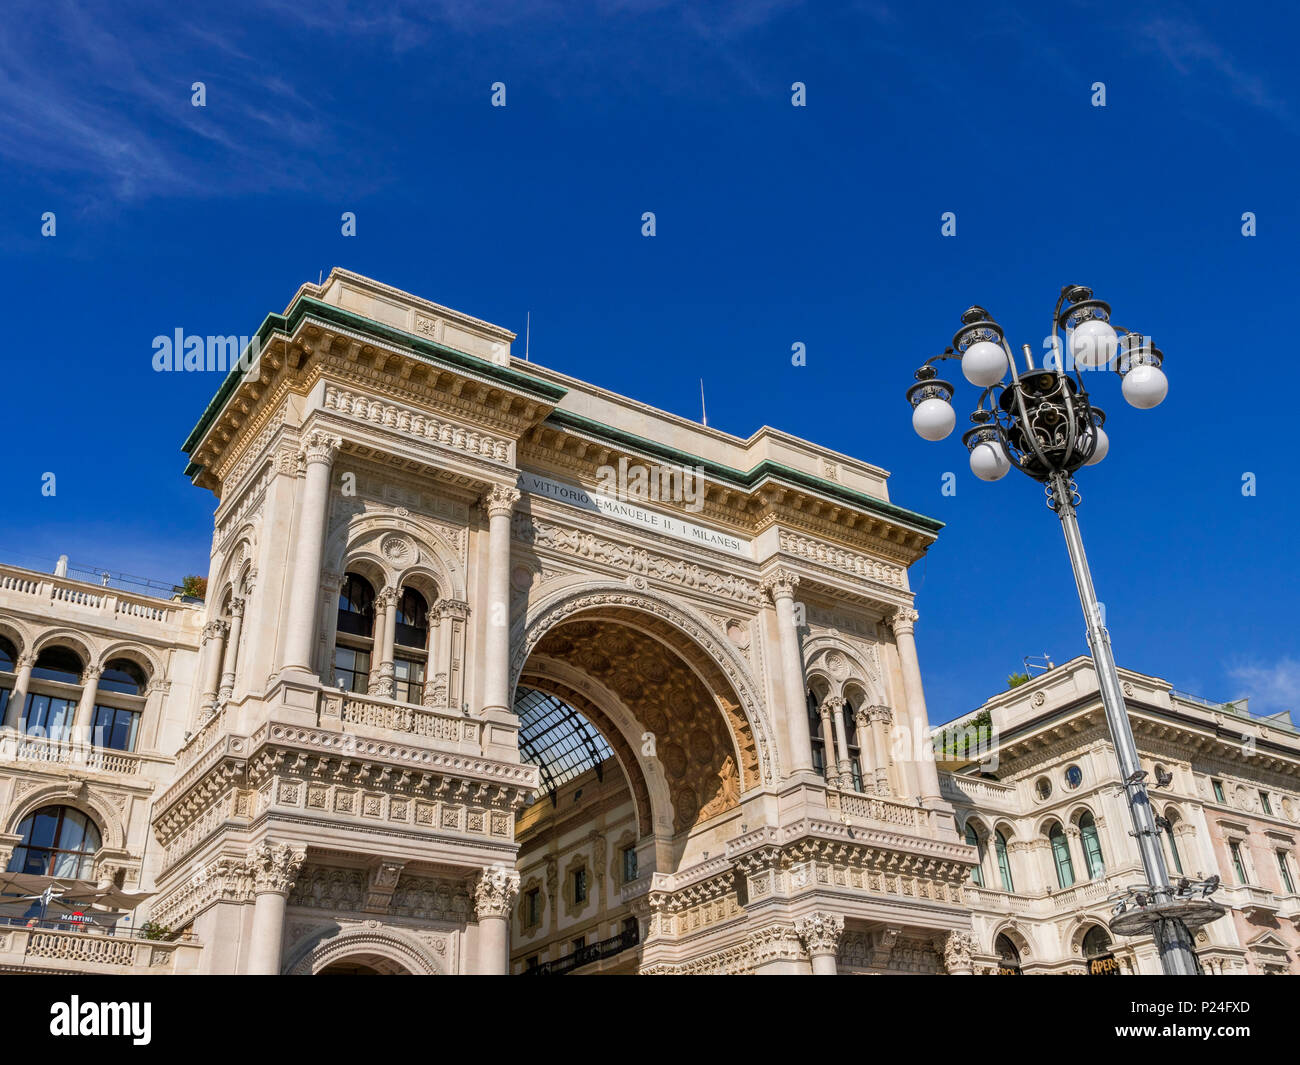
[58, 663]
[8, 655]
[123, 675]
[56, 841]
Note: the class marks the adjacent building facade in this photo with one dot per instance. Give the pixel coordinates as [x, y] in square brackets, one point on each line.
[499, 672]
[1043, 806]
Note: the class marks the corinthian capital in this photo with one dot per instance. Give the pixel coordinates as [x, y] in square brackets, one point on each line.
[273, 866]
[215, 630]
[495, 892]
[320, 447]
[236, 608]
[780, 584]
[903, 620]
[820, 932]
[499, 499]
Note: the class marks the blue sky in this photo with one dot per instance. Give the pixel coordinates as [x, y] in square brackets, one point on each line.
[776, 225]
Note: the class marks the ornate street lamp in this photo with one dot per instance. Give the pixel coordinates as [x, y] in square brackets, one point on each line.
[1043, 423]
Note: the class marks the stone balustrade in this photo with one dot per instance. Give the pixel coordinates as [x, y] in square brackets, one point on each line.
[22, 748]
[975, 791]
[46, 591]
[441, 725]
[68, 951]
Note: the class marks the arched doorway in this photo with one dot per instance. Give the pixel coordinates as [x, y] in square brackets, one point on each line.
[645, 748]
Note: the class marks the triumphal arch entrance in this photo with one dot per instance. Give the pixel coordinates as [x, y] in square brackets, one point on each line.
[505, 673]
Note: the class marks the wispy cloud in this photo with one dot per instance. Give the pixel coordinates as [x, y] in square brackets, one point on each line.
[1271, 687]
[1190, 50]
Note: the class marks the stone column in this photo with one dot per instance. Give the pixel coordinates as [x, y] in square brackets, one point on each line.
[18, 696]
[927, 771]
[432, 655]
[318, 451]
[214, 632]
[780, 585]
[958, 950]
[499, 504]
[844, 765]
[882, 719]
[386, 640]
[866, 748]
[494, 895]
[828, 745]
[273, 867]
[230, 661]
[820, 935]
[86, 706]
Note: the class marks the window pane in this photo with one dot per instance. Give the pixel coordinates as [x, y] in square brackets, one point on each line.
[1061, 853]
[1004, 861]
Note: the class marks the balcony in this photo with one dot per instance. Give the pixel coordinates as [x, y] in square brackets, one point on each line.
[878, 810]
[63, 597]
[606, 948]
[17, 747]
[1253, 900]
[442, 725]
[57, 948]
[975, 791]
[1288, 908]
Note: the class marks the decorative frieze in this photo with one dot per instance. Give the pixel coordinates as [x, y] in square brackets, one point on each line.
[418, 425]
[848, 562]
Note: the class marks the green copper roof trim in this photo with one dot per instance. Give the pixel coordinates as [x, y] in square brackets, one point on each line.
[430, 350]
[741, 479]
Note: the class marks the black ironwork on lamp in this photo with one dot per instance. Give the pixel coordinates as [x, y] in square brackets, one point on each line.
[1043, 422]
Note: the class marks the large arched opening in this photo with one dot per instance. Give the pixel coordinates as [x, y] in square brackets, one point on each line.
[645, 745]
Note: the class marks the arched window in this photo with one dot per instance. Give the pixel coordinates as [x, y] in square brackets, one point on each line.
[56, 841]
[1008, 955]
[357, 607]
[1172, 842]
[356, 630]
[58, 664]
[1061, 855]
[1096, 942]
[973, 840]
[51, 714]
[411, 631]
[124, 676]
[851, 736]
[1091, 846]
[117, 726]
[8, 663]
[815, 734]
[1004, 861]
[412, 619]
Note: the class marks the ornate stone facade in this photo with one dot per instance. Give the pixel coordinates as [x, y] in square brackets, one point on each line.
[438, 672]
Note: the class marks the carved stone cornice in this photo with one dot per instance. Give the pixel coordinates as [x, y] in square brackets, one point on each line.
[820, 932]
[775, 943]
[273, 867]
[495, 892]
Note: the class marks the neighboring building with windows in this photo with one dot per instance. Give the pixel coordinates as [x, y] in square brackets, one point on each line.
[96, 686]
[448, 709]
[1044, 809]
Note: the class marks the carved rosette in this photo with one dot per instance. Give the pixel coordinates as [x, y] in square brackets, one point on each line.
[904, 621]
[273, 867]
[958, 951]
[499, 501]
[780, 584]
[820, 933]
[495, 892]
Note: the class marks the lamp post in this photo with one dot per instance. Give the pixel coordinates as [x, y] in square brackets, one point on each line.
[1043, 423]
